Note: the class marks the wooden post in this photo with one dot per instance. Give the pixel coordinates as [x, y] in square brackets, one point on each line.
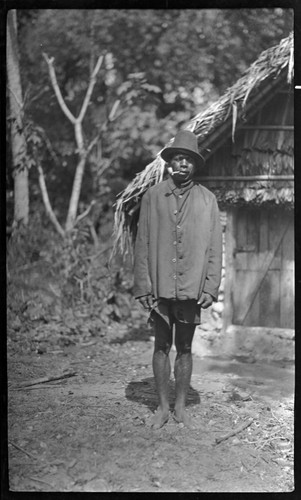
[229, 269]
[287, 281]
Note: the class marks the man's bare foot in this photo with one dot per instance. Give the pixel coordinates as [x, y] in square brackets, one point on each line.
[182, 417]
[160, 418]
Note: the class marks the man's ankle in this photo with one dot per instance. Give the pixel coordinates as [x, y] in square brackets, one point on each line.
[179, 406]
[163, 407]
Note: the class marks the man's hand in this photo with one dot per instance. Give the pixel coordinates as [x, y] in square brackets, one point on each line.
[146, 301]
[206, 300]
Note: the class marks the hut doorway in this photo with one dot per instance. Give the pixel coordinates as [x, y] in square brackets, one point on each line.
[259, 281]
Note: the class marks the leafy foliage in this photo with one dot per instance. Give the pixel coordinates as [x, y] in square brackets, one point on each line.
[162, 66]
[64, 290]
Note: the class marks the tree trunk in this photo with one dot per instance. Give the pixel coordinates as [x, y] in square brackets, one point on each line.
[18, 142]
[75, 194]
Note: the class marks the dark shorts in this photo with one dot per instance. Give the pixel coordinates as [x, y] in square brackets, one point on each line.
[184, 311]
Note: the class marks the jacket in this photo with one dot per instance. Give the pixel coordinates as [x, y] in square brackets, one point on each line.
[178, 249]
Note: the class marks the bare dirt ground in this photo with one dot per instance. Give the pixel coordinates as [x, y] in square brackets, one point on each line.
[89, 430]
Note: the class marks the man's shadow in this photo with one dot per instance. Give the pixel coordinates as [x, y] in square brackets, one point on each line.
[144, 392]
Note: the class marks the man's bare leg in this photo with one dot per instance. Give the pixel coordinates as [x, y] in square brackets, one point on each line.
[183, 370]
[161, 368]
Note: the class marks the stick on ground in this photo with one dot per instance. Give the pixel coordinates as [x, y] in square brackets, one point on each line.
[41, 481]
[21, 449]
[47, 379]
[234, 432]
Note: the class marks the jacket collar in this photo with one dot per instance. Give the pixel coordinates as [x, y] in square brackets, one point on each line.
[178, 189]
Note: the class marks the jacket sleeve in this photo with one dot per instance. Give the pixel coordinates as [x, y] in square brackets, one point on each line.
[213, 276]
[142, 282]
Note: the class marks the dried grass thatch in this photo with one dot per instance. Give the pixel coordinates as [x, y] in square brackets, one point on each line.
[272, 63]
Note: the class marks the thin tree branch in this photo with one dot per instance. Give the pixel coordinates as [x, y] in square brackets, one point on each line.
[93, 143]
[96, 138]
[37, 96]
[16, 98]
[113, 110]
[49, 146]
[90, 89]
[93, 233]
[57, 90]
[85, 213]
[104, 168]
[47, 203]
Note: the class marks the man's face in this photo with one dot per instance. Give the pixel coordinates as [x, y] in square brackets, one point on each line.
[183, 167]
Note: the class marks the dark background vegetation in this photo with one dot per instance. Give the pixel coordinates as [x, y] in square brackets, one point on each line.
[163, 66]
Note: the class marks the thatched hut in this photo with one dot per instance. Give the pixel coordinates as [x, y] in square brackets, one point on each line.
[247, 140]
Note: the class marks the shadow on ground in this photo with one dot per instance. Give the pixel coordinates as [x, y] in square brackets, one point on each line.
[144, 392]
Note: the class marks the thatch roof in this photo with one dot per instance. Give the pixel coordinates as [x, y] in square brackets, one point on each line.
[222, 117]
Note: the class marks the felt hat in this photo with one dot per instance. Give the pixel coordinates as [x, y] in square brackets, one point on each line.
[184, 142]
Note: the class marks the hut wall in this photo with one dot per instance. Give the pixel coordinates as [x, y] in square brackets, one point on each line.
[263, 145]
[259, 280]
[259, 242]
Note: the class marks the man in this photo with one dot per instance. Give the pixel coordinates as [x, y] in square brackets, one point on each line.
[177, 266]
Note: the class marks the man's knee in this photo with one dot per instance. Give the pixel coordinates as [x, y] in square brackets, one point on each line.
[183, 348]
[183, 338]
[162, 346]
[163, 334]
